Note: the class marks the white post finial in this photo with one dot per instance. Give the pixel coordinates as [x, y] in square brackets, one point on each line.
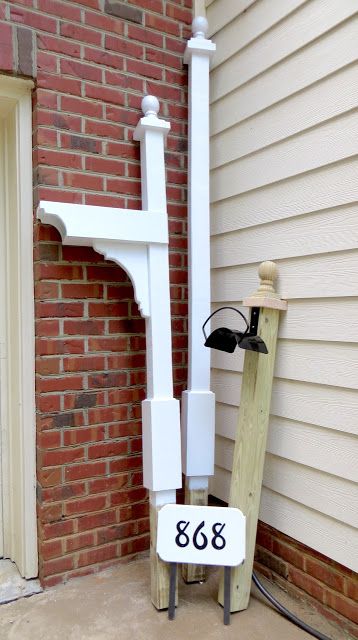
[200, 27]
[150, 106]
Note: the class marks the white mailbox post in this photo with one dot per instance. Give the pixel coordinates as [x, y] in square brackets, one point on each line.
[138, 242]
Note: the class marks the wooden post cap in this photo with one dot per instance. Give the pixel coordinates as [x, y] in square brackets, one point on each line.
[266, 295]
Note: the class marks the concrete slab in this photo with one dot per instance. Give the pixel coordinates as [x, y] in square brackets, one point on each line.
[12, 585]
[115, 605]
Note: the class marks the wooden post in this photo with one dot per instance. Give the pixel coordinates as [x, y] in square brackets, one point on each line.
[198, 402]
[250, 444]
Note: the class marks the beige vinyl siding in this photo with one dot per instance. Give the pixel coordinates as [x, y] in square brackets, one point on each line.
[284, 187]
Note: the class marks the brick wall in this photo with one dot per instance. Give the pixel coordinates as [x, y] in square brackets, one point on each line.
[306, 574]
[92, 62]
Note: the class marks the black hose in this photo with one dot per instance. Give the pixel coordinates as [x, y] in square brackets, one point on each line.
[285, 612]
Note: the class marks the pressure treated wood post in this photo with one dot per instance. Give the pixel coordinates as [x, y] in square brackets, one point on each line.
[250, 444]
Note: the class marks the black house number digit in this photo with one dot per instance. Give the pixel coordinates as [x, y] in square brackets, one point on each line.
[200, 540]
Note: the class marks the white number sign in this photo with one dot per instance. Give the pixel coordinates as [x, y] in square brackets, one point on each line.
[201, 535]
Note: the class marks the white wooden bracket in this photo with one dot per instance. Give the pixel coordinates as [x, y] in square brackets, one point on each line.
[138, 242]
[198, 402]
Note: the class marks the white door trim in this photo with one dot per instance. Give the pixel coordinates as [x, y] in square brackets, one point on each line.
[18, 448]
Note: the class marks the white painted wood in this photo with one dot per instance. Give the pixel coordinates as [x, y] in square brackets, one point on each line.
[246, 27]
[331, 495]
[308, 65]
[330, 407]
[292, 237]
[138, 241]
[300, 442]
[326, 363]
[17, 391]
[221, 12]
[201, 544]
[324, 188]
[331, 141]
[306, 525]
[330, 275]
[81, 224]
[326, 99]
[198, 433]
[311, 21]
[198, 402]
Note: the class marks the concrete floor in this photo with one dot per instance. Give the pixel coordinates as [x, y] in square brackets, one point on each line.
[115, 605]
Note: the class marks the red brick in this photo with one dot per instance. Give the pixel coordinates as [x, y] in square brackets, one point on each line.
[307, 583]
[58, 83]
[124, 46]
[128, 496]
[83, 290]
[144, 69]
[351, 589]
[97, 555]
[58, 529]
[58, 272]
[88, 36]
[51, 549]
[6, 47]
[80, 436]
[46, 98]
[66, 383]
[179, 14]
[81, 106]
[79, 542]
[47, 61]
[108, 344]
[124, 186]
[162, 24]
[59, 309]
[143, 35]
[59, 159]
[49, 439]
[84, 327]
[59, 565]
[104, 58]
[86, 363]
[112, 483]
[86, 470]
[344, 606]
[56, 347]
[103, 22]
[105, 165]
[64, 11]
[93, 521]
[81, 70]
[107, 449]
[64, 492]
[325, 574]
[48, 403]
[62, 456]
[85, 505]
[112, 379]
[38, 21]
[50, 513]
[99, 92]
[58, 45]
[104, 129]
[82, 181]
[49, 477]
[47, 328]
[45, 137]
[107, 414]
[121, 430]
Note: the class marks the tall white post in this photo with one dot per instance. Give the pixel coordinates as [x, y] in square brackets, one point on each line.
[198, 402]
[160, 411]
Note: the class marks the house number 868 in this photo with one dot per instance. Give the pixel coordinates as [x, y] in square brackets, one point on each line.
[200, 540]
